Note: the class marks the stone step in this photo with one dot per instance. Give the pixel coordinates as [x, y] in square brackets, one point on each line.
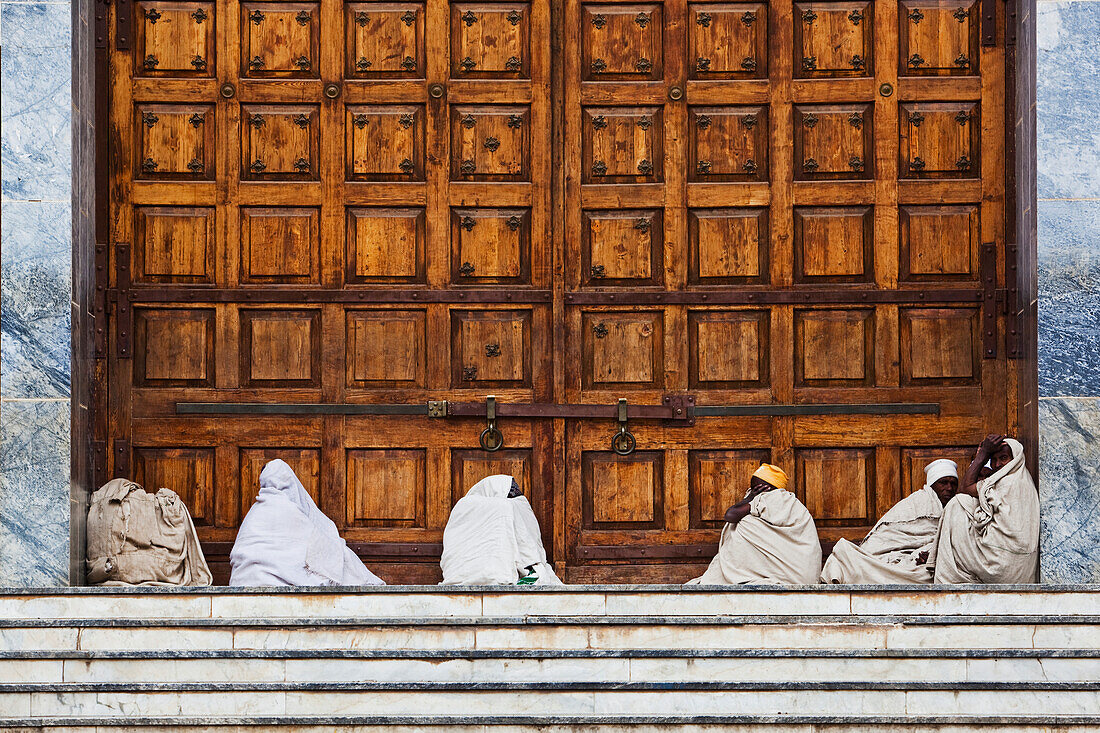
[593, 635]
[624, 669]
[555, 699]
[433, 601]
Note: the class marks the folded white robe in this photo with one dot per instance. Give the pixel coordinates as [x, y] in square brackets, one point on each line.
[890, 552]
[776, 543]
[993, 538]
[286, 540]
[492, 540]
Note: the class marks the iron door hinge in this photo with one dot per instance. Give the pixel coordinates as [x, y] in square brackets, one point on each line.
[124, 316]
[987, 271]
[121, 449]
[124, 23]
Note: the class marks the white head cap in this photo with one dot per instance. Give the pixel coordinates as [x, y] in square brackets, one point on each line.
[938, 469]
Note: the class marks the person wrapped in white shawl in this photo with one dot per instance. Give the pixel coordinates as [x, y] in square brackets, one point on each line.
[769, 537]
[897, 549]
[990, 530]
[492, 538]
[286, 540]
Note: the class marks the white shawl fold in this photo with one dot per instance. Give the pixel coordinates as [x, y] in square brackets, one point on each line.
[890, 553]
[776, 543]
[993, 538]
[286, 540]
[492, 540]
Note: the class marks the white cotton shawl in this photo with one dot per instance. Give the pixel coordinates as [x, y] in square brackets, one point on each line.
[993, 538]
[776, 544]
[286, 540]
[491, 539]
[890, 552]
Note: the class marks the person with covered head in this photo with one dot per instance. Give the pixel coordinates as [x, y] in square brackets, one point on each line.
[492, 538]
[990, 530]
[286, 540]
[897, 549]
[769, 537]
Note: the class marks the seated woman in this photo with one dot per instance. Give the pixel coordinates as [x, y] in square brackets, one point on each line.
[492, 538]
[286, 540]
[896, 550]
[769, 537]
[990, 530]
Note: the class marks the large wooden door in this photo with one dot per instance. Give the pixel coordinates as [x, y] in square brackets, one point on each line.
[788, 215]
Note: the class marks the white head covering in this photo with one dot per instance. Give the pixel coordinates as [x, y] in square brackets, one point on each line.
[286, 540]
[939, 468]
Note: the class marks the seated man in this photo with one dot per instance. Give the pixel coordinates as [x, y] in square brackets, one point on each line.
[492, 538]
[769, 537]
[286, 540]
[990, 530]
[896, 550]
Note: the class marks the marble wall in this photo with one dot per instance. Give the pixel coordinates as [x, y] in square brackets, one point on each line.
[36, 276]
[35, 291]
[1068, 105]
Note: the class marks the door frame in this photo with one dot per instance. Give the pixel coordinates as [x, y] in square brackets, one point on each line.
[91, 150]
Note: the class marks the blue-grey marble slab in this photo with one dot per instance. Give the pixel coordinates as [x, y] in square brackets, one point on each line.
[35, 101]
[35, 299]
[1068, 99]
[1069, 298]
[1069, 490]
[34, 492]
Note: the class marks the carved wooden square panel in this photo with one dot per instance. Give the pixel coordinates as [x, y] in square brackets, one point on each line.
[939, 140]
[837, 485]
[384, 40]
[173, 244]
[834, 244]
[623, 145]
[174, 39]
[622, 247]
[718, 479]
[728, 40]
[280, 348]
[490, 40]
[622, 492]
[939, 242]
[728, 144]
[280, 245]
[490, 348]
[490, 142]
[833, 39]
[385, 142]
[939, 346]
[305, 462]
[385, 245]
[279, 142]
[386, 488]
[834, 348]
[470, 466]
[174, 347]
[914, 460]
[490, 246]
[280, 40]
[728, 246]
[938, 37]
[187, 471]
[833, 142]
[623, 349]
[621, 42]
[174, 142]
[728, 349]
[386, 348]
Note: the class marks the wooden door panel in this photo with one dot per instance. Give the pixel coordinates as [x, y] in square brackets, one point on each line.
[742, 203]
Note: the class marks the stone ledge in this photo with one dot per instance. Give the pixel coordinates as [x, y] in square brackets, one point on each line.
[596, 588]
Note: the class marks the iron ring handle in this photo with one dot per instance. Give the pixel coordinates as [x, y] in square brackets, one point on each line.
[436, 91]
[491, 439]
[676, 94]
[624, 443]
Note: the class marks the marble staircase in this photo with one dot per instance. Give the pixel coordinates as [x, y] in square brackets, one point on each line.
[580, 658]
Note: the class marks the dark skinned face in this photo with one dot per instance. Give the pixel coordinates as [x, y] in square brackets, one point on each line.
[1001, 457]
[759, 485]
[945, 488]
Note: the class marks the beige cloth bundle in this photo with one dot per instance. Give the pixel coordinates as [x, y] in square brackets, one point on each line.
[137, 538]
